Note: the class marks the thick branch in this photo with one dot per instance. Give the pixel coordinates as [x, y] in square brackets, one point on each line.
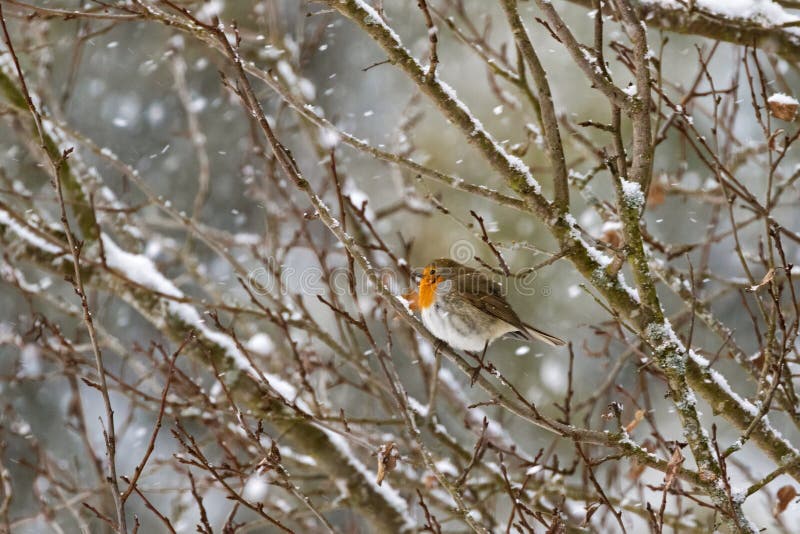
[745, 32]
[555, 148]
[73, 188]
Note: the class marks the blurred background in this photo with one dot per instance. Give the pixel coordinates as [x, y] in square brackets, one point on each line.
[152, 95]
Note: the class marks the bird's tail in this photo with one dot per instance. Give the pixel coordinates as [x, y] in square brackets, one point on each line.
[531, 333]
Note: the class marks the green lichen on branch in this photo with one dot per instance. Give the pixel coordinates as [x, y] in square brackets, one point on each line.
[75, 191]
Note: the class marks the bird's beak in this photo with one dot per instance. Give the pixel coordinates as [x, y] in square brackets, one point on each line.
[416, 275]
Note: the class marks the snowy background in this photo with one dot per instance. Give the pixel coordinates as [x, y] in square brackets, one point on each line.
[152, 97]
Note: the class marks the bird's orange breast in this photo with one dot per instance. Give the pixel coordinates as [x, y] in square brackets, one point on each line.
[427, 292]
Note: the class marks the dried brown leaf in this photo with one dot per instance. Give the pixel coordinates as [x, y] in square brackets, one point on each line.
[785, 111]
[774, 136]
[591, 508]
[764, 281]
[387, 460]
[657, 194]
[613, 236]
[785, 496]
[637, 418]
[674, 464]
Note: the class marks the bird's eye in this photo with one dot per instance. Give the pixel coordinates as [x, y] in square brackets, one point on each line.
[433, 272]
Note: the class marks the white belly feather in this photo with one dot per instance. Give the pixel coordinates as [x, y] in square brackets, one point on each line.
[441, 325]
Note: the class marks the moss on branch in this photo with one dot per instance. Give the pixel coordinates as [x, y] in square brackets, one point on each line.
[75, 193]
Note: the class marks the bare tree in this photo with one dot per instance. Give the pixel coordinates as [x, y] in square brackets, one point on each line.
[209, 309]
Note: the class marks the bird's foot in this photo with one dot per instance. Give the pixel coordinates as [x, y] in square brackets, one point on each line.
[491, 368]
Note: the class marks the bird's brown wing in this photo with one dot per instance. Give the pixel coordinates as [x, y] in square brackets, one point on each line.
[487, 295]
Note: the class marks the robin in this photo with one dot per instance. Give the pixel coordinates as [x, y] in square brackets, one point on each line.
[465, 308]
